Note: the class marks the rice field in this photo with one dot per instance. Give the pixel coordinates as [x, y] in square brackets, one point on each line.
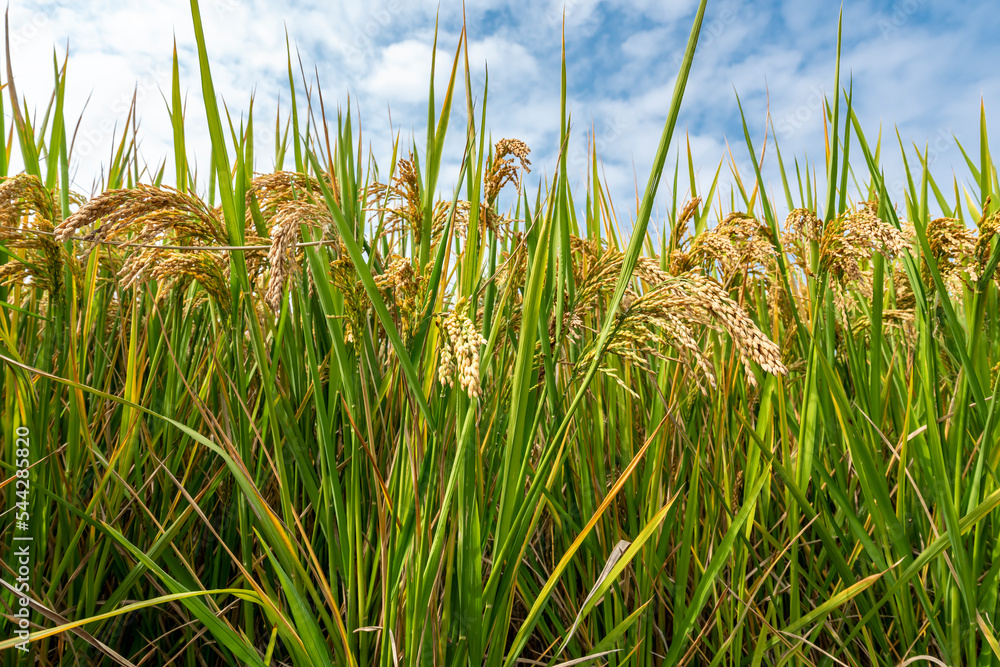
[325, 416]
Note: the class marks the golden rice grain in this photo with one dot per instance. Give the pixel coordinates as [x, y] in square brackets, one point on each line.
[460, 345]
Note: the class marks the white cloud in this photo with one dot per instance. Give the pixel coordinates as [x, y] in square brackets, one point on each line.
[926, 77]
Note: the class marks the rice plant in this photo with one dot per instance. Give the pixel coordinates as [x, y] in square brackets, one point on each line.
[323, 416]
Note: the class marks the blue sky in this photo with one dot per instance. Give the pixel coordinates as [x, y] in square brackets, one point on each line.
[918, 66]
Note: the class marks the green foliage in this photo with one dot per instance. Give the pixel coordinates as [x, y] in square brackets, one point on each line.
[338, 421]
